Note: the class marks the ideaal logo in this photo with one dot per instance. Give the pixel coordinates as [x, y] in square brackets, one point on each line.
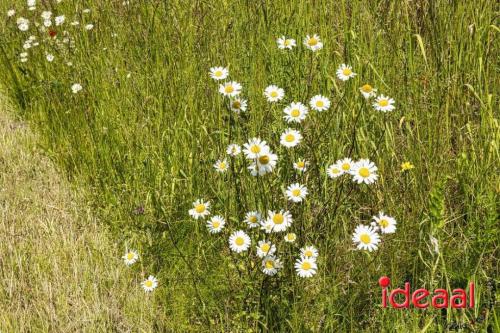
[440, 298]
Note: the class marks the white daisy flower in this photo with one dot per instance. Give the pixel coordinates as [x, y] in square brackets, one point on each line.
[271, 265]
[366, 238]
[263, 164]
[130, 257]
[89, 27]
[219, 73]
[295, 112]
[86, 11]
[364, 171]
[76, 88]
[254, 148]
[267, 226]
[296, 192]
[233, 149]
[47, 23]
[238, 105]
[221, 166]
[239, 241]
[11, 12]
[23, 24]
[286, 43]
[384, 104]
[46, 15]
[49, 57]
[368, 91]
[265, 248]
[274, 93]
[306, 267]
[313, 43]
[23, 57]
[253, 219]
[319, 103]
[27, 45]
[301, 165]
[31, 3]
[386, 224]
[149, 284]
[200, 209]
[309, 252]
[344, 72]
[216, 224]
[59, 19]
[290, 237]
[345, 164]
[280, 220]
[290, 138]
[230, 89]
[334, 171]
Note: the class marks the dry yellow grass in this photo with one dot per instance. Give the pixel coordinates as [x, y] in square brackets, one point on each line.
[59, 270]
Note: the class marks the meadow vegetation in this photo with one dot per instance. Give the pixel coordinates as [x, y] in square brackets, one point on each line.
[124, 105]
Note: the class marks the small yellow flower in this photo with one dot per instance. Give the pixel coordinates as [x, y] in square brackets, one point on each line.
[406, 166]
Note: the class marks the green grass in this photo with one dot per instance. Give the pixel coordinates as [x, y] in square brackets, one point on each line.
[150, 141]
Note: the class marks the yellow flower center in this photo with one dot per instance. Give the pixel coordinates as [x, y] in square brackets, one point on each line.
[296, 192]
[255, 149]
[312, 41]
[229, 89]
[306, 265]
[320, 104]
[199, 208]
[383, 102]
[278, 218]
[148, 283]
[346, 72]
[291, 237]
[222, 165]
[383, 223]
[236, 105]
[287, 42]
[265, 247]
[289, 137]
[130, 256]
[264, 159]
[269, 264]
[215, 224]
[218, 73]
[335, 170]
[301, 164]
[274, 93]
[308, 253]
[365, 238]
[346, 166]
[367, 88]
[239, 241]
[295, 113]
[252, 219]
[364, 172]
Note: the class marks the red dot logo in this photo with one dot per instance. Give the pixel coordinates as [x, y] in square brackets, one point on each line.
[384, 281]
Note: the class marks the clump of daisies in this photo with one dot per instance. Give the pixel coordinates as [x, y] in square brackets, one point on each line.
[362, 171]
[367, 237]
[260, 238]
[262, 159]
[305, 265]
